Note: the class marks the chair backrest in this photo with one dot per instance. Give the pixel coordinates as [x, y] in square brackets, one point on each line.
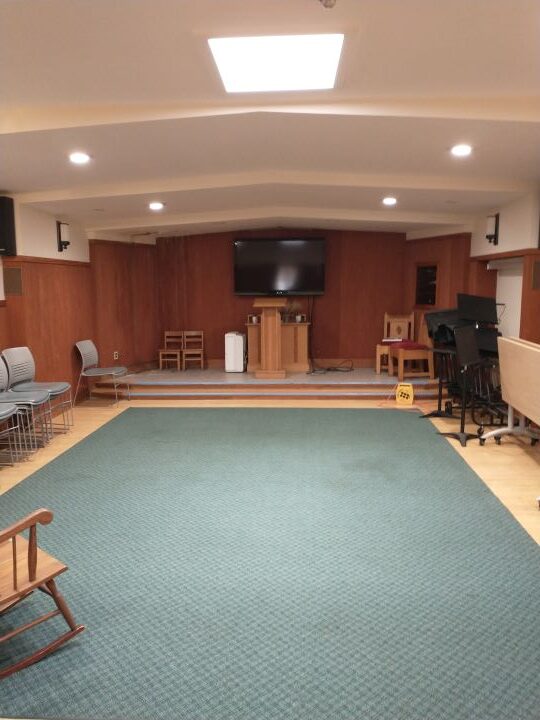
[174, 339]
[20, 364]
[193, 339]
[4, 377]
[399, 326]
[423, 333]
[10, 572]
[88, 352]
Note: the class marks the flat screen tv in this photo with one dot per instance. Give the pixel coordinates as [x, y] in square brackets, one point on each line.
[292, 266]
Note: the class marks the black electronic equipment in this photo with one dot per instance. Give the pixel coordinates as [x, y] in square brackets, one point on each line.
[292, 266]
[7, 227]
[441, 325]
[477, 309]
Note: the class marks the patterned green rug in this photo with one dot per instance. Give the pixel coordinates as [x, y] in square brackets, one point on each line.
[279, 564]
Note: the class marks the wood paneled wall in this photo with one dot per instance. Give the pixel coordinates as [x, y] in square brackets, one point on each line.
[364, 278]
[481, 280]
[130, 293]
[125, 302]
[52, 314]
[530, 301]
[451, 254]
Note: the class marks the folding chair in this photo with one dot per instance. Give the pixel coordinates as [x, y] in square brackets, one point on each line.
[9, 432]
[22, 371]
[24, 567]
[37, 416]
[91, 370]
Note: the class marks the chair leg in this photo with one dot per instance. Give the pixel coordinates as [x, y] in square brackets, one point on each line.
[401, 363]
[77, 390]
[61, 604]
[431, 368]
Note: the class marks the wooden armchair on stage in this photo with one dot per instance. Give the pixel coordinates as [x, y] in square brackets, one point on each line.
[23, 569]
[413, 359]
[172, 349]
[396, 328]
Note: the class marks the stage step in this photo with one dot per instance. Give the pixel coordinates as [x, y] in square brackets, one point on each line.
[190, 391]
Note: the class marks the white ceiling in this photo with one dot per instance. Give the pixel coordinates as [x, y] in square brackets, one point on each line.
[133, 83]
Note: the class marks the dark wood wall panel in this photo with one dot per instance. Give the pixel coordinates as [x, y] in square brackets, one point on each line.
[5, 334]
[170, 264]
[481, 280]
[52, 314]
[124, 284]
[144, 304]
[451, 255]
[530, 301]
[111, 272]
[364, 279]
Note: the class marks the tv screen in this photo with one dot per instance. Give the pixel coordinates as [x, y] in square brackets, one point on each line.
[477, 308]
[293, 266]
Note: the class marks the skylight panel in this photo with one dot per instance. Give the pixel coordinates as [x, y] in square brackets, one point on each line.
[277, 63]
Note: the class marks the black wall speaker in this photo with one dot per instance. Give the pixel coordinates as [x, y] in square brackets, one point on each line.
[7, 227]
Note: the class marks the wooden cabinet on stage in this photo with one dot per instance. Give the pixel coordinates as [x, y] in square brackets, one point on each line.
[294, 346]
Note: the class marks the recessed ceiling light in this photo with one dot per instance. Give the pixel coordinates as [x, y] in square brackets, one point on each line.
[79, 158]
[389, 201]
[156, 205]
[274, 63]
[461, 150]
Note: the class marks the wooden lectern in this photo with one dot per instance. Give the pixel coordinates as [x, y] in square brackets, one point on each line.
[271, 367]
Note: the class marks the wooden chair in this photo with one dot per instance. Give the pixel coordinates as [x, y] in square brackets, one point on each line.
[193, 348]
[409, 355]
[172, 350]
[395, 326]
[23, 569]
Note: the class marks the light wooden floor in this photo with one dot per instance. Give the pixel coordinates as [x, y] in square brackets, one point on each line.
[511, 470]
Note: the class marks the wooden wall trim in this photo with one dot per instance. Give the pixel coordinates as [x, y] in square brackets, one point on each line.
[18, 259]
[507, 254]
[97, 241]
[450, 236]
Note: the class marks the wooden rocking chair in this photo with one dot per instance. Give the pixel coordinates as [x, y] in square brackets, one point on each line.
[23, 569]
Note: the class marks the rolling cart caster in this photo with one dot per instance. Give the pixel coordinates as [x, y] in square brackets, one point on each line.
[534, 441]
[482, 441]
[480, 431]
[498, 440]
[448, 407]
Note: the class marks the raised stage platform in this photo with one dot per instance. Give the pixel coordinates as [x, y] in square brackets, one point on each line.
[218, 384]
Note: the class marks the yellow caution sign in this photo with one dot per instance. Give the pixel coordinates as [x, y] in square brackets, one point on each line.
[404, 394]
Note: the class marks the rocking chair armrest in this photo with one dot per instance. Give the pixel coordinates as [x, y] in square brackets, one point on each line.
[42, 516]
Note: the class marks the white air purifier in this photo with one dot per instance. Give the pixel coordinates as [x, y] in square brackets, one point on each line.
[235, 352]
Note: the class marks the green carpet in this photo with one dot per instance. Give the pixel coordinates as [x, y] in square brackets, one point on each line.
[278, 564]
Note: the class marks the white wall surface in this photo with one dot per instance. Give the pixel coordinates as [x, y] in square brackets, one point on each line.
[509, 289]
[519, 226]
[36, 236]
